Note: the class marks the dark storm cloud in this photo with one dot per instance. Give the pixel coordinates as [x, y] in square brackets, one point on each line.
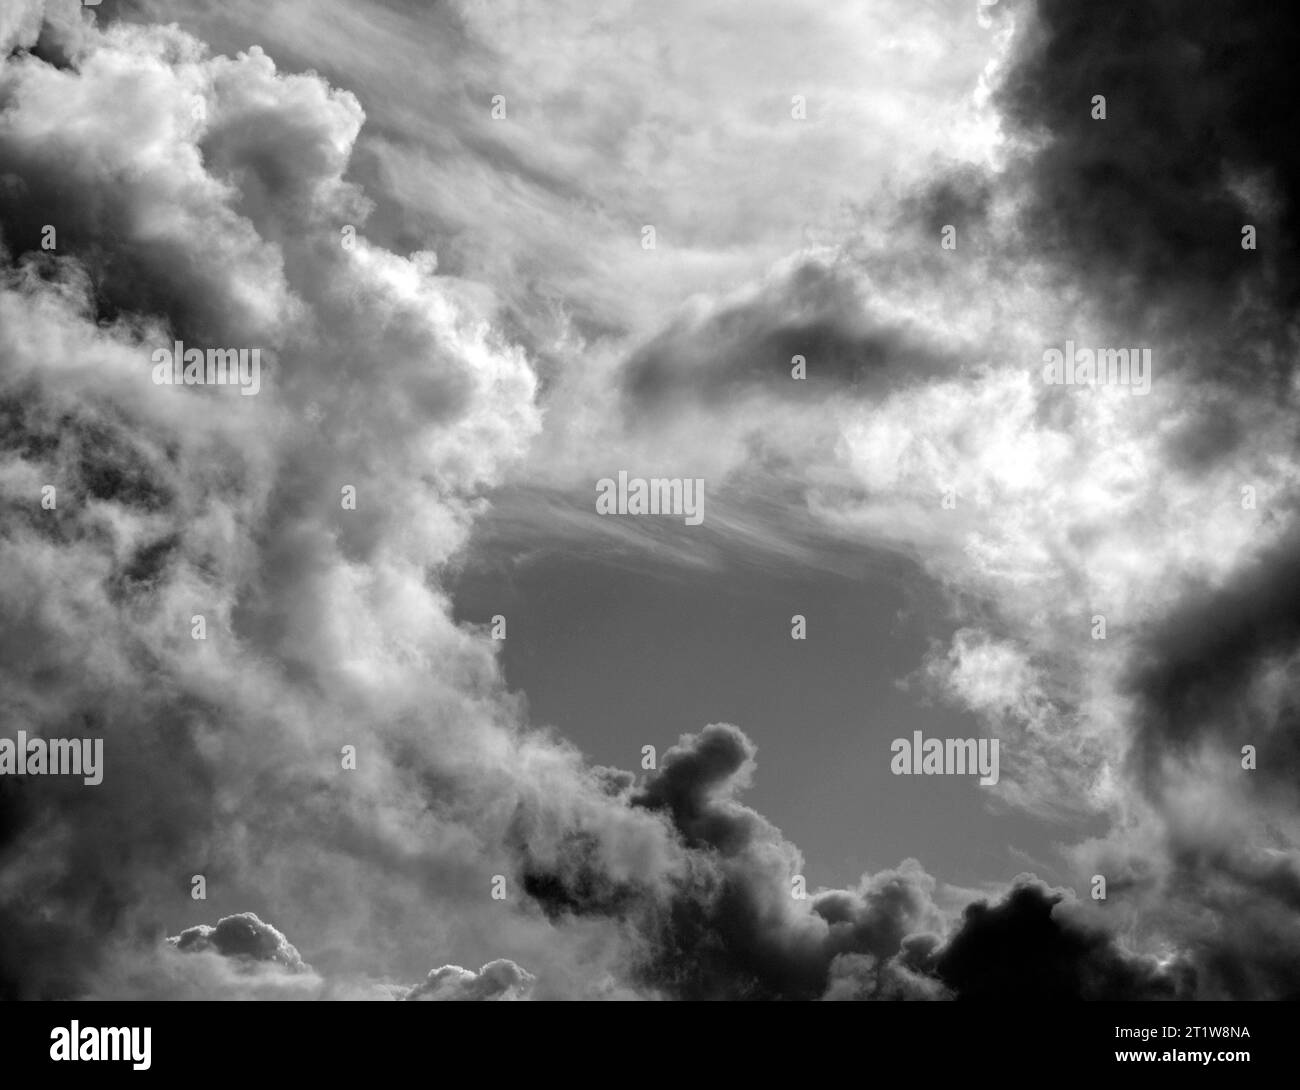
[734, 929]
[731, 929]
[1221, 672]
[1145, 208]
[727, 925]
[1257, 956]
[1195, 670]
[1026, 947]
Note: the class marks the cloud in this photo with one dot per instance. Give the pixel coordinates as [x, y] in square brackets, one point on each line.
[20, 25]
[497, 980]
[728, 923]
[242, 937]
[176, 502]
[1204, 96]
[817, 311]
[215, 199]
[1031, 946]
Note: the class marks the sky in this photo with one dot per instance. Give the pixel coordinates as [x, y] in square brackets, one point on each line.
[872, 222]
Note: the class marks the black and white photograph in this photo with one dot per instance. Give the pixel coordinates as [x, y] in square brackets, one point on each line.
[649, 502]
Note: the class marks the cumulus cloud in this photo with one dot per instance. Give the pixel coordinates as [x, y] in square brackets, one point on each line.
[174, 223]
[1032, 946]
[497, 980]
[728, 924]
[242, 937]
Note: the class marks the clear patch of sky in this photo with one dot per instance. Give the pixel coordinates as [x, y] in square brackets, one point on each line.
[616, 657]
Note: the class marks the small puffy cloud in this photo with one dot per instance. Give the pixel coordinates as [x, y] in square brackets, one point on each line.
[242, 937]
[497, 980]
